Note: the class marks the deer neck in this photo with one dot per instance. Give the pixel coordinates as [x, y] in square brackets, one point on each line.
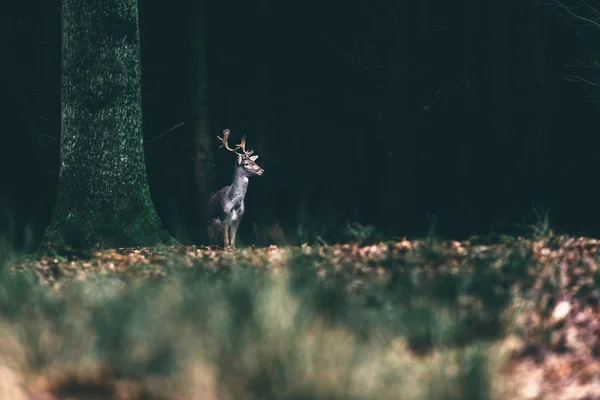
[239, 186]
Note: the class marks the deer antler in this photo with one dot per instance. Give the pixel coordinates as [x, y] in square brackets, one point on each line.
[241, 146]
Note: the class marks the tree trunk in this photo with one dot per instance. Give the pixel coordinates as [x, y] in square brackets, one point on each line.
[204, 156]
[498, 66]
[473, 111]
[103, 197]
[536, 105]
[264, 110]
[399, 124]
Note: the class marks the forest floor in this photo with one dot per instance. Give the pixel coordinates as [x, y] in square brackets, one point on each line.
[516, 318]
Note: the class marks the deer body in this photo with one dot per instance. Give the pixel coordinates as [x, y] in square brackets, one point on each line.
[225, 208]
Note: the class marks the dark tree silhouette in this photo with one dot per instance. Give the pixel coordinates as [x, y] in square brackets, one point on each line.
[103, 199]
[204, 156]
[536, 96]
[497, 65]
[399, 122]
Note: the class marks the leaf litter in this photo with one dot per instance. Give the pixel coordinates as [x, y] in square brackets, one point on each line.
[550, 348]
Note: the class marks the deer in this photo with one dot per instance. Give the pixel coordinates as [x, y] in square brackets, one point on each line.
[225, 208]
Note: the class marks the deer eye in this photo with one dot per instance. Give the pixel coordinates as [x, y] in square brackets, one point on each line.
[246, 164]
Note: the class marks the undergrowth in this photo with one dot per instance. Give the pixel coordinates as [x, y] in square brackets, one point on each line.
[239, 333]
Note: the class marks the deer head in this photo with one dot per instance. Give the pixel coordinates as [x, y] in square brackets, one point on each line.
[245, 160]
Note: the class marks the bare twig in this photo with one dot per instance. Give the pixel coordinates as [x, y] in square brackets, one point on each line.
[163, 134]
[593, 21]
[356, 61]
[581, 79]
[49, 137]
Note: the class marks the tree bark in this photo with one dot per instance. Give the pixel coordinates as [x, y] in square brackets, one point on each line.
[263, 103]
[103, 197]
[264, 110]
[399, 124]
[204, 156]
[473, 111]
[537, 105]
[498, 65]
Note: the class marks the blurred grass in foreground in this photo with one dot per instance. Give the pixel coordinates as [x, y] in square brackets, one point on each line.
[239, 333]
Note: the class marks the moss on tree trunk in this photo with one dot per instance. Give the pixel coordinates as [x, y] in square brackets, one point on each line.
[103, 198]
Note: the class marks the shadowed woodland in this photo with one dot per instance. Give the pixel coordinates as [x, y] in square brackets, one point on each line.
[423, 229]
[460, 114]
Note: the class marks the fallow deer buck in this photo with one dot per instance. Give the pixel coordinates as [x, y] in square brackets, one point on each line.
[225, 208]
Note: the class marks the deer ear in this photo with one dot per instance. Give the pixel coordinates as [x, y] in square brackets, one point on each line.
[253, 158]
[239, 160]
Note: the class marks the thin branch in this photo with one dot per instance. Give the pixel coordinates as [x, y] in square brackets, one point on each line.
[49, 137]
[163, 134]
[579, 17]
[373, 17]
[581, 79]
[356, 61]
[425, 107]
[595, 13]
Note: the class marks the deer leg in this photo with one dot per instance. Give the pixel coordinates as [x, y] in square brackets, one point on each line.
[226, 236]
[233, 234]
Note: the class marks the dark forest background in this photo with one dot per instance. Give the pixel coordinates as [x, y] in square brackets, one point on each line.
[396, 114]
